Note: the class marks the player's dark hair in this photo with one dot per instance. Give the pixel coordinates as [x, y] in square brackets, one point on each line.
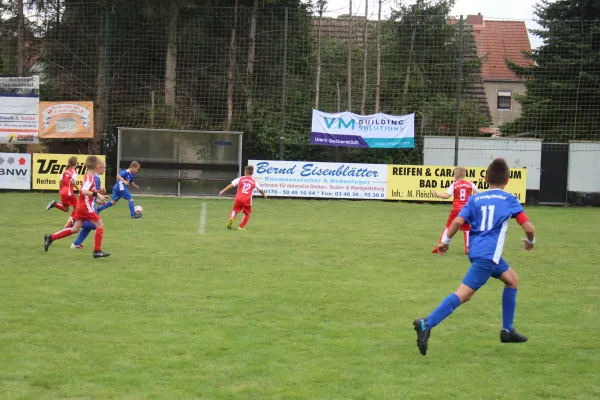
[249, 170]
[91, 162]
[498, 172]
[72, 161]
[134, 164]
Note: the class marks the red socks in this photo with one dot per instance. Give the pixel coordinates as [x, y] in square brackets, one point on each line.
[62, 234]
[244, 220]
[98, 239]
[60, 207]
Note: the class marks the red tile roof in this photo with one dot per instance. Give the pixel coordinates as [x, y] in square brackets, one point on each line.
[500, 40]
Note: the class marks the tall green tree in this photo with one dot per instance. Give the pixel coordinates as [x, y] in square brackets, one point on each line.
[562, 100]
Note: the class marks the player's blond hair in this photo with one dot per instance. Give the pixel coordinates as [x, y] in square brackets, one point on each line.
[91, 162]
[460, 172]
[249, 170]
[134, 164]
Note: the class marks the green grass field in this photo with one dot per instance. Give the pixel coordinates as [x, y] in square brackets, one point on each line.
[314, 301]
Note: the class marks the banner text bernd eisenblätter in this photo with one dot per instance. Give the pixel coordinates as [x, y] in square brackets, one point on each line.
[320, 179]
[367, 131]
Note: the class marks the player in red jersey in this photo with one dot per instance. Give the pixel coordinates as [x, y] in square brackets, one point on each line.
[67, 187]
[461, 189]
[85, 208]
[243, 198]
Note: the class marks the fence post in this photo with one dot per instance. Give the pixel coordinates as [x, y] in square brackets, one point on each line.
[282, 148]
[284, 78]
[461, 27]
[107, 29]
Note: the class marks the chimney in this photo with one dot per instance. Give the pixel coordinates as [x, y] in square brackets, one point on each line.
[475, 19]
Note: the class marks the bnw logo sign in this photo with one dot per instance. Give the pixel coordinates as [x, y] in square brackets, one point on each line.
[15, 171]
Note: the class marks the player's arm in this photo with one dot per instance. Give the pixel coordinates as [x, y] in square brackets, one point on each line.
[74, 182]
[528, 228]
[447, 238]
[120, 178]
[132, 182]
[262, 192]
[444, 196]
[227, 188]
[474, 188]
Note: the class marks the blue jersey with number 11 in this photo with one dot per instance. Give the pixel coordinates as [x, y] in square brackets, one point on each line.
[488, 214]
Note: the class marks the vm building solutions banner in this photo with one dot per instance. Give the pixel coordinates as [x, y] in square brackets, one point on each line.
[321, 180]
[19, 102]
[377, 131]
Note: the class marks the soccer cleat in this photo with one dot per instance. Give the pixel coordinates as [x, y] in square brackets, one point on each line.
[76, 246]
[423, 334]
[512, 337]
[241, 229]
[435, 250]
[100, 254]
[50, 205]
[229, 223]
[136, 216]
[47, 242]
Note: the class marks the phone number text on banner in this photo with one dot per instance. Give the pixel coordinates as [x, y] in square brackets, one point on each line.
[420, 182]
[321, 180]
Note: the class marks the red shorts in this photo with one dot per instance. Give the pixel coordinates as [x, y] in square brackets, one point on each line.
[245, 207]
[85, 215]
[454, 214]
[67, 200]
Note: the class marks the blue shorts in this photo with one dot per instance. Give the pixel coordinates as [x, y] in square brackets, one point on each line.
[481, 270]
[118, 194]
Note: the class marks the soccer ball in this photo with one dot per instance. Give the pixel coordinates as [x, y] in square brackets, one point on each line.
[139, 210]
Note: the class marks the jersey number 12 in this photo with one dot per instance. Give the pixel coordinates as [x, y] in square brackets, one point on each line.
[487, 218]
[246, 188]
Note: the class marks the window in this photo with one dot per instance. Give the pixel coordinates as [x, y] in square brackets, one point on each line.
[504, 100]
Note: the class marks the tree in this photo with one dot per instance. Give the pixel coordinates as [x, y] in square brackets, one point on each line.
[562, 87]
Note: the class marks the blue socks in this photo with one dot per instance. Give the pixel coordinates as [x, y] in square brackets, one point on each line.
[509, 304]
[84, 232]
[131, 208]
[446, 307]
[105, 206]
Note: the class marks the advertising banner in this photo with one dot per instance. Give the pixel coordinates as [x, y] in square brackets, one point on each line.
[48, 168]
[19, 102]
[321, 180]
[419, 182]
[66, 120]
[377, 131]
[15, 171]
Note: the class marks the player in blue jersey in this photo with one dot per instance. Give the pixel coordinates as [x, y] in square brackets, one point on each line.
[121, 190]
[488, 214]
[87, 226]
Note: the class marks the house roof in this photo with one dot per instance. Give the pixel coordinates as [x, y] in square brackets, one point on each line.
[498, 41]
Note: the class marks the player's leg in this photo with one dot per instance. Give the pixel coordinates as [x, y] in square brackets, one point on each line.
[509, 277]
[466, 230]
[132, 209]
[86, 228]
[477, 275]
[98, 253]
[116, 195]
[48, 239]
[237, 207]
[247, 212]
[54, 204]
[448, 223]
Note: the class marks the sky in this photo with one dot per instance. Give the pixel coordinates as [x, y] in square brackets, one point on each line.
[490, 9]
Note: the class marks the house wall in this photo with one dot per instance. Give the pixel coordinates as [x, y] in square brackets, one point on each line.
[491, 92]
[479, 152]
